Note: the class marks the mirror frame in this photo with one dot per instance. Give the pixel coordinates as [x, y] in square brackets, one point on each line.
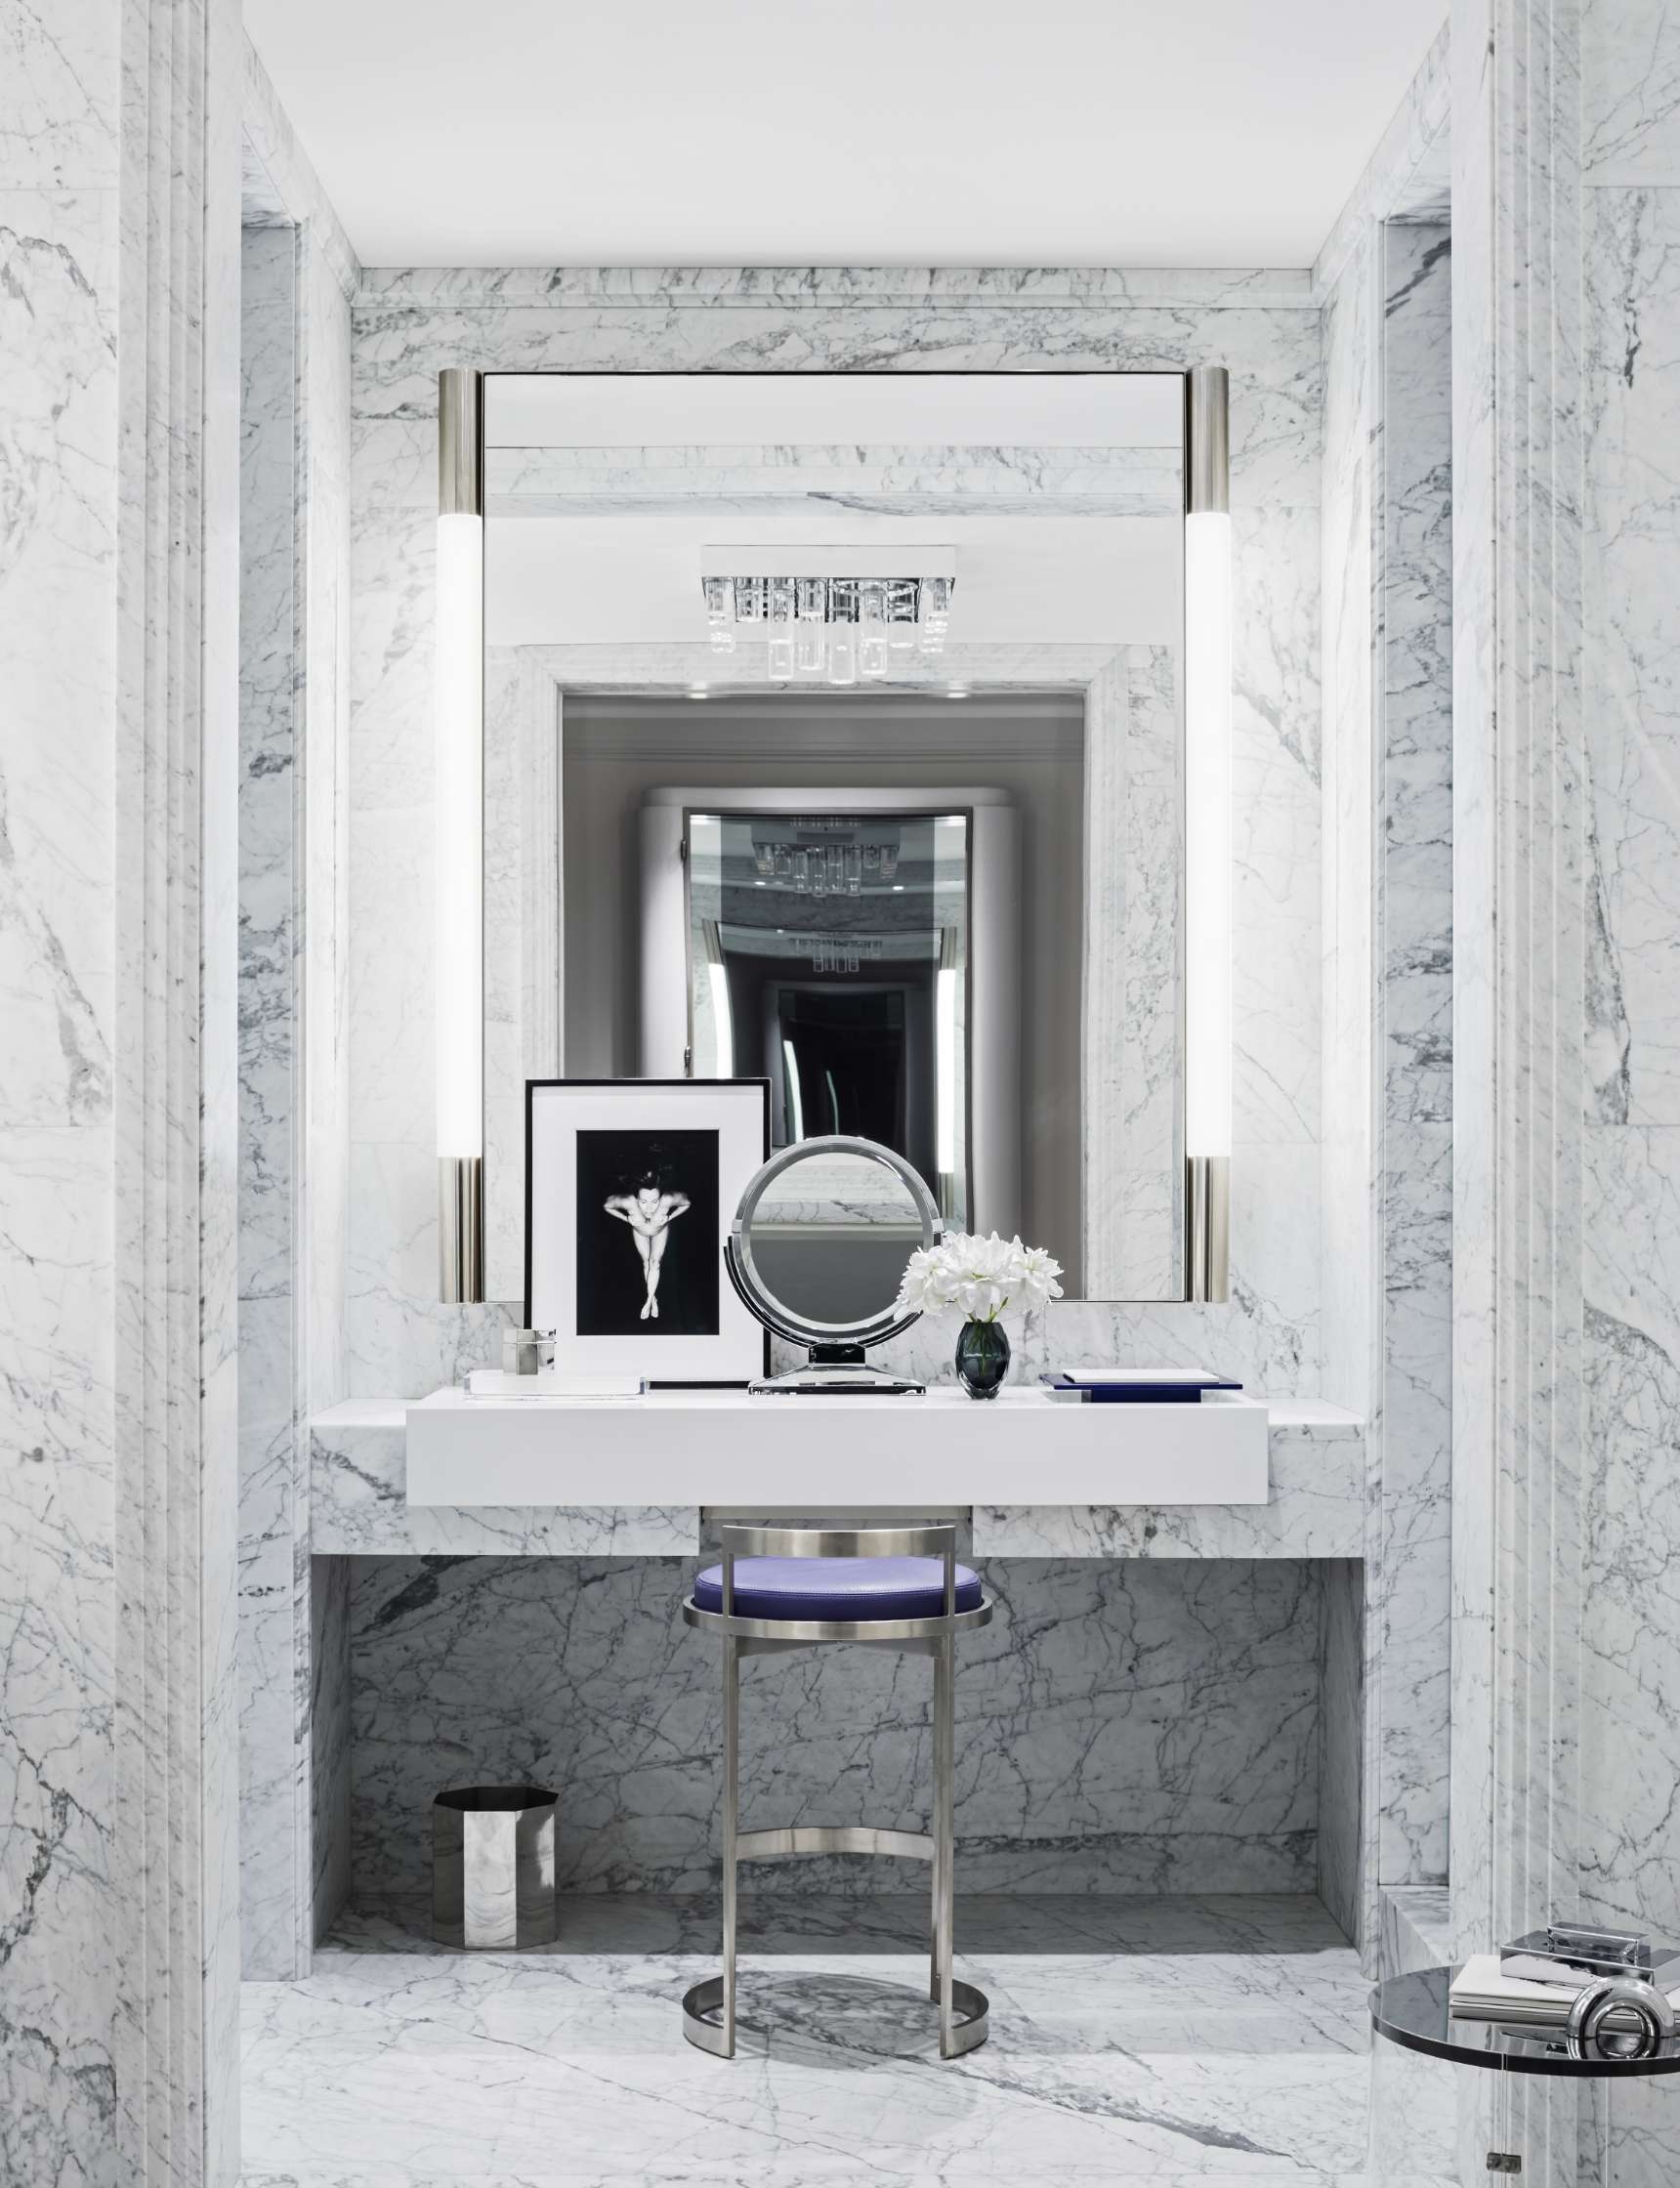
[756, 1295]
[1205, 446]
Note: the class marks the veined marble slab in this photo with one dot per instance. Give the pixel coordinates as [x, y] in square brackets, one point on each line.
[358, 1506]
[1314, 1507]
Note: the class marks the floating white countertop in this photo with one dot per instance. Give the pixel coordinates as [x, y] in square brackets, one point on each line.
[688, 1446]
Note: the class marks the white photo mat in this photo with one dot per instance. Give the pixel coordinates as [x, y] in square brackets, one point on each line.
[557, 1111]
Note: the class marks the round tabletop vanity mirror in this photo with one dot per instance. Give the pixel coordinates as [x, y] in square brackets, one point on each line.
[817, 1251]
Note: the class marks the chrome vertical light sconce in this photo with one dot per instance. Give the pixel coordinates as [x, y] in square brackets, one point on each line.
[458, 733]
[1207, 832]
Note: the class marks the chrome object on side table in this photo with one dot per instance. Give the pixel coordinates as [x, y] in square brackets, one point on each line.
[911, 1578]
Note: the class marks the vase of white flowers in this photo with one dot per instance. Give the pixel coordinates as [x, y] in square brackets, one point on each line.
[982, 1277]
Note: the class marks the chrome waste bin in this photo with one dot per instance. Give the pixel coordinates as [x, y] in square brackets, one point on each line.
[492, 1866]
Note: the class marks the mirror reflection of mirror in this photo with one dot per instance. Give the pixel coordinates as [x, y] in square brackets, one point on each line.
[830, 1238]
[828, 952]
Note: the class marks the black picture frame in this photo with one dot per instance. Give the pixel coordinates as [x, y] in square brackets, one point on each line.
[686, 1120]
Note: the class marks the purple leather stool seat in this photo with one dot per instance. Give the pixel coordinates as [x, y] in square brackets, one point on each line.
[837, 1587]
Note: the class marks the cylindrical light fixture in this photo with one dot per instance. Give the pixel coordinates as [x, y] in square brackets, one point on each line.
[458, 741]
[1207, 832]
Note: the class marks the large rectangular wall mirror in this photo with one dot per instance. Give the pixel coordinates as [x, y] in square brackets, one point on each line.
[834, 732]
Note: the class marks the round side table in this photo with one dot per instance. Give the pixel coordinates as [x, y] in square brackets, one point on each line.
[1551, 2129]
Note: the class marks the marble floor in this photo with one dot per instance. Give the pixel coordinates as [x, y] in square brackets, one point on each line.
[1168, 2039]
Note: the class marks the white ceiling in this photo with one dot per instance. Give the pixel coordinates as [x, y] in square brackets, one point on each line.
[804, 132]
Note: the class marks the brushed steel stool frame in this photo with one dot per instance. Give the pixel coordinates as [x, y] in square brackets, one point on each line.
[962, 2008]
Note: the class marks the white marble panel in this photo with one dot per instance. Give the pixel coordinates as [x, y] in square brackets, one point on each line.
[1314, 1508]
[1133, 1166]
[294, 1001]
[1387, 953]
[910, 482]
[1633, 721]
[408, 328]
[1175, 2041]
[1630, 1732]
[1408, 1582]
[1276, 826]
[360, 1506]
[58, 119]
[1120, 1726]
[274, 1652]
[1416, 1928]
[1002, 288]
[1630, 93]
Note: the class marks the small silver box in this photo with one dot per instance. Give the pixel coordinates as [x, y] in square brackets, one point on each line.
[1574, 1953]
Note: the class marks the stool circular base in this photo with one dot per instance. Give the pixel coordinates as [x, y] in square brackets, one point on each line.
[835, 1629]
[968, 2031]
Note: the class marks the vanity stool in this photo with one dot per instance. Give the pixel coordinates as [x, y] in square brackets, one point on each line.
[884, 1587]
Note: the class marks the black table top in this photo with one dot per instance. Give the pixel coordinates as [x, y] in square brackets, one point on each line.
[1411, 2009]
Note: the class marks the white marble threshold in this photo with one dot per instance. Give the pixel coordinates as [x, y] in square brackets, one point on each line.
[1172, 2040]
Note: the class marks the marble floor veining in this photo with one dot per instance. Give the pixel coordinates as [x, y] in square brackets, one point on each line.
[1168, 2039]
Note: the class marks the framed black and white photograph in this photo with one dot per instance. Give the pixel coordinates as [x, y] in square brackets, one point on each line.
[630, 1188]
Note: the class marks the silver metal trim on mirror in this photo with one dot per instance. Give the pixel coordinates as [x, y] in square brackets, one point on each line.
[460, 1230]
[756, 1295]
[1207, 1230]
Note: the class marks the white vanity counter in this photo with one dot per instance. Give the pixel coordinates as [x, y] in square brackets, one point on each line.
[1040, 1479]
[728, 1447]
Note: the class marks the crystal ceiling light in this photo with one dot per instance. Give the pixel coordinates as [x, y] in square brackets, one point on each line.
[827, 615]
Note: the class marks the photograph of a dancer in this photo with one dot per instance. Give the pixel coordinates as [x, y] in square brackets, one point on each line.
[646, 1233]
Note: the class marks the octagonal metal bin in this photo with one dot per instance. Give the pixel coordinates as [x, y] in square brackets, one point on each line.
[492, 1866]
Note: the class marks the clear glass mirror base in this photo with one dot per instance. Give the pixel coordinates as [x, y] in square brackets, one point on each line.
[836, 1378]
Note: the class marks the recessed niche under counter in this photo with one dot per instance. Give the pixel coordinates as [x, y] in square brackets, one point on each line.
[724, 1447]
[1314, 1506]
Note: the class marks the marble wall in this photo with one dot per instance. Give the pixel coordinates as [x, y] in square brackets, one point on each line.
[293, 989]
[1630, 829]
[1388, 950]
[119, 1110]
[1134, 1727]
[408, 324]
[273, 1653]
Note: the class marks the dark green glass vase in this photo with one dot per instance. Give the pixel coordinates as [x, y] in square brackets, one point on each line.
[983, 1358]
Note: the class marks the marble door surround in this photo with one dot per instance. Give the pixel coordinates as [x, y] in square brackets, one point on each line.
[119, 350]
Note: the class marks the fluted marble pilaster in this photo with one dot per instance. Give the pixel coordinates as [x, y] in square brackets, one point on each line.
[1521, 832]
[118, 358]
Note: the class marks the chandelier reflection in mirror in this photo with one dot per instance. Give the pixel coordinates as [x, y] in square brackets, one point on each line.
[840, 622]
